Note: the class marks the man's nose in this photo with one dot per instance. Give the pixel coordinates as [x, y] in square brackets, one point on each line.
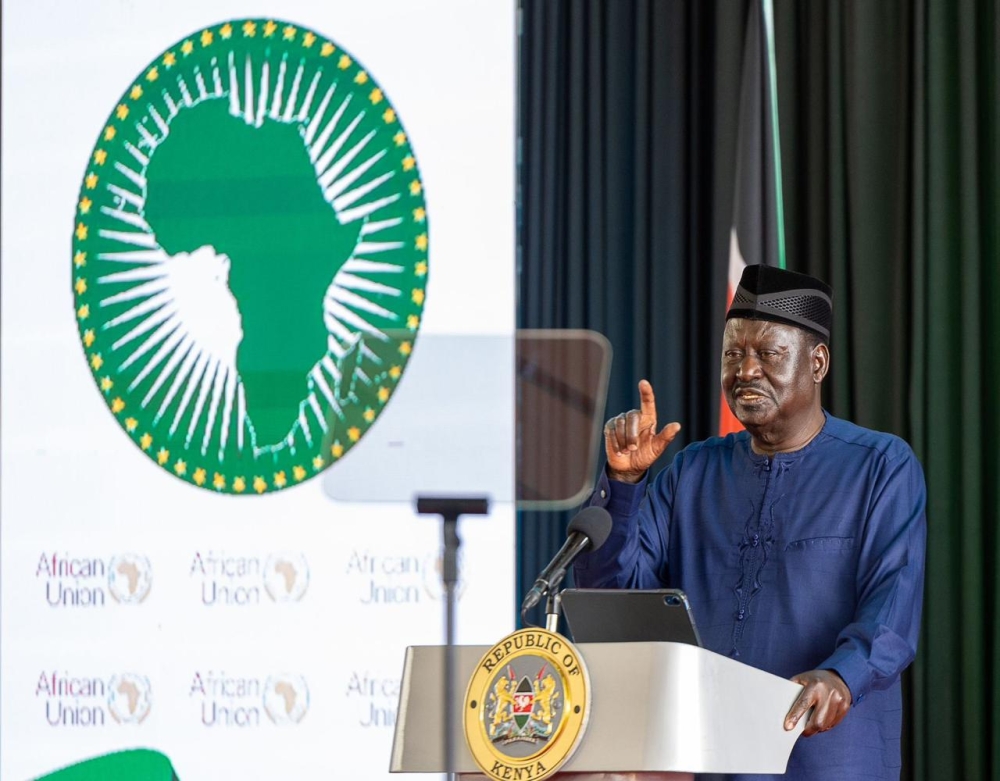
[749, 367]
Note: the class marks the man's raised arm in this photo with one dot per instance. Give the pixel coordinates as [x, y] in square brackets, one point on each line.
[635, 552]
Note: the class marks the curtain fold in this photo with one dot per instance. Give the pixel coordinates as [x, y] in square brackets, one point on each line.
[956, 387]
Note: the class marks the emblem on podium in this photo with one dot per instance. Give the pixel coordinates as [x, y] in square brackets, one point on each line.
[527, 706]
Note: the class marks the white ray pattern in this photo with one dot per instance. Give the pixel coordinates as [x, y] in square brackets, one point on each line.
[181, 328]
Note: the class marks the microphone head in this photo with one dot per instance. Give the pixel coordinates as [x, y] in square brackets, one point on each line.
[595, 523]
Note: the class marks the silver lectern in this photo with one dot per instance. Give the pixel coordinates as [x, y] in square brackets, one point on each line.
[657, 708]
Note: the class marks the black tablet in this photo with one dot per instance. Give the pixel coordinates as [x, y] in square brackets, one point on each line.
[624, 616]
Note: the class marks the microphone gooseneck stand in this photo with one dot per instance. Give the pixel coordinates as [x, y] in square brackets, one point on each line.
[553, 606]
[450, 508]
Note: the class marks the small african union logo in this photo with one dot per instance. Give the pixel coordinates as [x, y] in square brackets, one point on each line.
[250, 256]
[527, 705]
[286, 576]
[129, 578]
[286, 698]
[129, 698]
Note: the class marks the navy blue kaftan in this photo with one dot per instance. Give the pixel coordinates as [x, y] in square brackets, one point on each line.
[806, 560]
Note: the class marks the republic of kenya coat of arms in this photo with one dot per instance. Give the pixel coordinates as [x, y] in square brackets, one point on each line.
[522, 710]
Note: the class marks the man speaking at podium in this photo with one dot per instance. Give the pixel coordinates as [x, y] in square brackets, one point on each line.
[800, 541]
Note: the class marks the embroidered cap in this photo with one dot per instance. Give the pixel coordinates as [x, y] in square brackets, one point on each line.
[771, 293]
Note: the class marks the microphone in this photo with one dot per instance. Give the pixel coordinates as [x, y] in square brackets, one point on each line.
[587, 531]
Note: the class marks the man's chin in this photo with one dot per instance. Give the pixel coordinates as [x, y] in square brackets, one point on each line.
[751, 414]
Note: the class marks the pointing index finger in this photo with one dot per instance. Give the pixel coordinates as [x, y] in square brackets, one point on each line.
[647, 400]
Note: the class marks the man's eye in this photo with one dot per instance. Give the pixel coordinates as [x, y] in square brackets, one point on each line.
[733, 354]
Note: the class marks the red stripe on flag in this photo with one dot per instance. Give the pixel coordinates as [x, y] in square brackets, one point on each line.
[756, 235]
[728, 424]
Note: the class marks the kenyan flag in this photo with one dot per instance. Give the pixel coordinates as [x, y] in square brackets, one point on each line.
[757, 234]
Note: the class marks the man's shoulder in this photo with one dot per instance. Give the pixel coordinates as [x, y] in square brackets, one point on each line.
[844, 433]
[837, 432]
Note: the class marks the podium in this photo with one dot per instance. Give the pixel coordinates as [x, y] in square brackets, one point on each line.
[656, 708]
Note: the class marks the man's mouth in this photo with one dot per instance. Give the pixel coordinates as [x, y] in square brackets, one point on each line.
[749, 395]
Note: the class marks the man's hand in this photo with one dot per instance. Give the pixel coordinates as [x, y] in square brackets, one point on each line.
[827, 694]
[631, 440]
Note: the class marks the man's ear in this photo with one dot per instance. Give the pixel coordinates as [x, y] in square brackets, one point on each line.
[820, 362]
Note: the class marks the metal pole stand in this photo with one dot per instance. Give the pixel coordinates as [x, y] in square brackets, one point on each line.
[450, 508]
[553, 607]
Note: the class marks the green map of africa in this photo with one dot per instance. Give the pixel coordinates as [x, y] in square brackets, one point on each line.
[250, 256]
[252, 195]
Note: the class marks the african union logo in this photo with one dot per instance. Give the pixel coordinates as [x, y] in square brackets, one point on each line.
[286, 577]
[129, 578]
[286, 698]
[129, 698]
[250, 256]
[527, 705]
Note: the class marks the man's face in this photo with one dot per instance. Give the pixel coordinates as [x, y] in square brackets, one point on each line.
[770, 374]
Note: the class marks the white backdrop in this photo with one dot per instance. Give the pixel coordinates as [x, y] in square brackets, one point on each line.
[213, 634]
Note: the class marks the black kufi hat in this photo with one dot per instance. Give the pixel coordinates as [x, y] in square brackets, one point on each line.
[771, 293]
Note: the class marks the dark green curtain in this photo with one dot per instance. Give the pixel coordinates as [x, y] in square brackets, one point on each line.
[890, 127]
[890, 133]
[955, 382]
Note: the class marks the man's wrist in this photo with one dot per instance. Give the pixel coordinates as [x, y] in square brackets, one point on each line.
[632, 478]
